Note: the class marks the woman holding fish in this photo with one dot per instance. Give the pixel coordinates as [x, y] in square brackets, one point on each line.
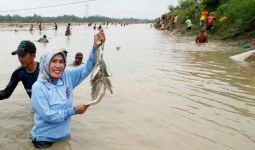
[52, 95]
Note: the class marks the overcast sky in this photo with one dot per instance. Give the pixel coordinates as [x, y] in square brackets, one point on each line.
[150, 9]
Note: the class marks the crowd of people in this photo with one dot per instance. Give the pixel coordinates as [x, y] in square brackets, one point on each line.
[55, 27]
[206, 23]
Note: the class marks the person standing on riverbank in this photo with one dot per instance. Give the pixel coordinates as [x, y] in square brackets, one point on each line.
[52, 95]
[188, 23]
[175, 19]
[196, 11]
[211, 19]
[203, 17]
[27, 73]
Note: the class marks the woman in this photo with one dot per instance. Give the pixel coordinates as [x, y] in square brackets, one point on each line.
[52, 98]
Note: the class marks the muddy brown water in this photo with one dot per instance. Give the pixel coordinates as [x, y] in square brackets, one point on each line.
[169, 93]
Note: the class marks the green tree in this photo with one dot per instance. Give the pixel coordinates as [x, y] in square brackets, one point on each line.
[186, 3]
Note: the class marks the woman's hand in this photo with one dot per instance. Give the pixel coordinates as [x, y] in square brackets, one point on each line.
[99, 39]
[80, 109]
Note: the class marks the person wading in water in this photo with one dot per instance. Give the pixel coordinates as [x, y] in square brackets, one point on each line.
[27, 73]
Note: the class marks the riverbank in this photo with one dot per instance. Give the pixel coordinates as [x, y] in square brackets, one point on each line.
[234, 22]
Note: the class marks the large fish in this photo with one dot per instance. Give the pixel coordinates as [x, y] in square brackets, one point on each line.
[99, 78]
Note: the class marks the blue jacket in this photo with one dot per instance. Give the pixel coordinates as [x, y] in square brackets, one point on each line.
[52, 101]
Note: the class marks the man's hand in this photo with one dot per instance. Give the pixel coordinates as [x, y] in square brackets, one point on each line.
[99, 39]
[80, 109]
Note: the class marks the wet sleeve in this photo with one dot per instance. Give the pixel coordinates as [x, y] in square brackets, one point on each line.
[6, 93]
[41, 107]
[80, 73]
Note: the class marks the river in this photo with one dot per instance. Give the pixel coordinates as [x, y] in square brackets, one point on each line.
[169, 93]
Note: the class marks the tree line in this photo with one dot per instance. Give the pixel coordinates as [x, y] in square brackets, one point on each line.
[66, 18]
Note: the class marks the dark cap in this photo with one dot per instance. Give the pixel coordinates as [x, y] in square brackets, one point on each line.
[25, 47]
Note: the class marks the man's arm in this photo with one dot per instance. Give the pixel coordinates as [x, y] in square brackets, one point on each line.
[6, 93]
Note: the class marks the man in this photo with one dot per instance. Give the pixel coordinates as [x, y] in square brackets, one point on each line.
[40, 26]
[27, 73]
[196, 11]
[68, 29]
[174, 22]
[78, 59]
[55, 26]
[43, 39]
[203, 17]
[202, 37]
[210, 21]
[188, 23]
[99, 27]
[31, 28]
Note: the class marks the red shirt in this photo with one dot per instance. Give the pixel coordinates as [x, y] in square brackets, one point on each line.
[210, 20]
